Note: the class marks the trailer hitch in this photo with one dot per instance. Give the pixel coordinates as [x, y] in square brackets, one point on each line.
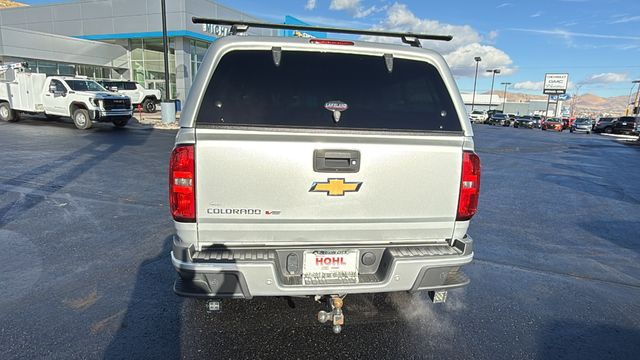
[336, 316]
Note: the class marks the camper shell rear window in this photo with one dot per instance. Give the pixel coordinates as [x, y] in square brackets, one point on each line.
[327, 90]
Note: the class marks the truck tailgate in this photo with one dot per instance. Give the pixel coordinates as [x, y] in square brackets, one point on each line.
[257, 187]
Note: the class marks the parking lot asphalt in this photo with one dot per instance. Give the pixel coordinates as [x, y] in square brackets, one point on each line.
[85, 269]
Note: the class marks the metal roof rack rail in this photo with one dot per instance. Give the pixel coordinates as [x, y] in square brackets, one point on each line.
[241, 26]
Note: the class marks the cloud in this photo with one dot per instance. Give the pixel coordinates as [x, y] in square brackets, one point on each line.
[344, 4]
[535, 85]
[311, 4]
[467, 43]
[537, 14]
[354, 7]
[569, 34]
[462, 63]
[606, 78]
[504, 5]
[626, 19]
[329, 21]
[529, 85]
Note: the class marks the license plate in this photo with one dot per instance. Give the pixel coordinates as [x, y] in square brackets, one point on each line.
[624, 123]
[325, 267]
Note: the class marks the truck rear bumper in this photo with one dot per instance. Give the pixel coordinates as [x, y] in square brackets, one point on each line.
[245, 273]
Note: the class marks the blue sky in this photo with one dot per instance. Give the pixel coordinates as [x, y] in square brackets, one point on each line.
[596, 41]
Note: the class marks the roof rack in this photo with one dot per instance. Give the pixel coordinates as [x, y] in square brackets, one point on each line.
[241, 26]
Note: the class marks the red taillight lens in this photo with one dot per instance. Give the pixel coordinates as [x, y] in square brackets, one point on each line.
[469, 186]
[331, 42]
[182, 184]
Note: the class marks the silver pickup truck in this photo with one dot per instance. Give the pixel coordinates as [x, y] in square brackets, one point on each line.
[315, 167]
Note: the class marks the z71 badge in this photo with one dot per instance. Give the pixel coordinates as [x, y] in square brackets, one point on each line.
[335, 187]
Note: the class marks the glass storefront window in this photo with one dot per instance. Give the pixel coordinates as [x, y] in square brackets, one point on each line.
[147, 63]
[198, 50]
[67, 69]
[47, 67]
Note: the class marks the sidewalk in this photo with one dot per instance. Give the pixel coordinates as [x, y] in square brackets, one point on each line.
[154, 120]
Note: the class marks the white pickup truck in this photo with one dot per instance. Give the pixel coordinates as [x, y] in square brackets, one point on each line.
[147, 98]
[85, 101]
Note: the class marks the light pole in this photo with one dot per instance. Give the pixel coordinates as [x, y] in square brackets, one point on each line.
[167, 108]
[636, 111]
[493, 78]
[475, 80]
[505, 94]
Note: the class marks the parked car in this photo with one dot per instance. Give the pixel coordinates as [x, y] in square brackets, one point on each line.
[622, 125]
[537, 121]
[498, 119]
[148, 98]
[524, 122]
[478, 117]
[602, 123]
[581, 125]
[553, 124]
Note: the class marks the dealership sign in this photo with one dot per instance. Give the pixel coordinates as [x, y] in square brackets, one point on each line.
[555, 84]
[217, 30]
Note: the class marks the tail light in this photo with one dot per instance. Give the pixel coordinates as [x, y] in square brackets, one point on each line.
[182, 199]
[469, 186]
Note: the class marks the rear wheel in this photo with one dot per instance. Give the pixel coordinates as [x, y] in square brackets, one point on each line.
[608, 130]
[120, 122]
[7, 113]
[81, 119]
[149, 106]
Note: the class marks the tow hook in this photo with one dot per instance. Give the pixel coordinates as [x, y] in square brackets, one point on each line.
[335, 315]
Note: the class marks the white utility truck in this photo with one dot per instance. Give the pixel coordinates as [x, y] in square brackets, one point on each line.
[81, 99]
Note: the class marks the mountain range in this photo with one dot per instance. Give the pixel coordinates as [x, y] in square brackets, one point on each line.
[584, 104]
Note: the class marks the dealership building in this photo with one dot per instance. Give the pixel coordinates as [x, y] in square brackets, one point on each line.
[115, 39]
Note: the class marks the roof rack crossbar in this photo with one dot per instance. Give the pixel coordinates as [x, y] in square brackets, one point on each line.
[240, 26]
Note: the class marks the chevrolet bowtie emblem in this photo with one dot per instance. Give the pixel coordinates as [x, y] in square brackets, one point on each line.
[335, 187]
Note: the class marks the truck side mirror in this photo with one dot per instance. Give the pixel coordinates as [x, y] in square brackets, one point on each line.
[113, 88]
[52, 89]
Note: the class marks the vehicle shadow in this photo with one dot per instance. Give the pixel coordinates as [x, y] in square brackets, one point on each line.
[575, 340]
[36, 183]
[151, 325]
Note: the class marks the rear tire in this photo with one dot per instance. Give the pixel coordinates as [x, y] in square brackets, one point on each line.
[120, 123]
[81, 119]
[149, 106]
[608, 130]
[7, 113]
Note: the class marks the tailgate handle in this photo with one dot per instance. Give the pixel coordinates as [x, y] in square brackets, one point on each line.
[344, 161]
